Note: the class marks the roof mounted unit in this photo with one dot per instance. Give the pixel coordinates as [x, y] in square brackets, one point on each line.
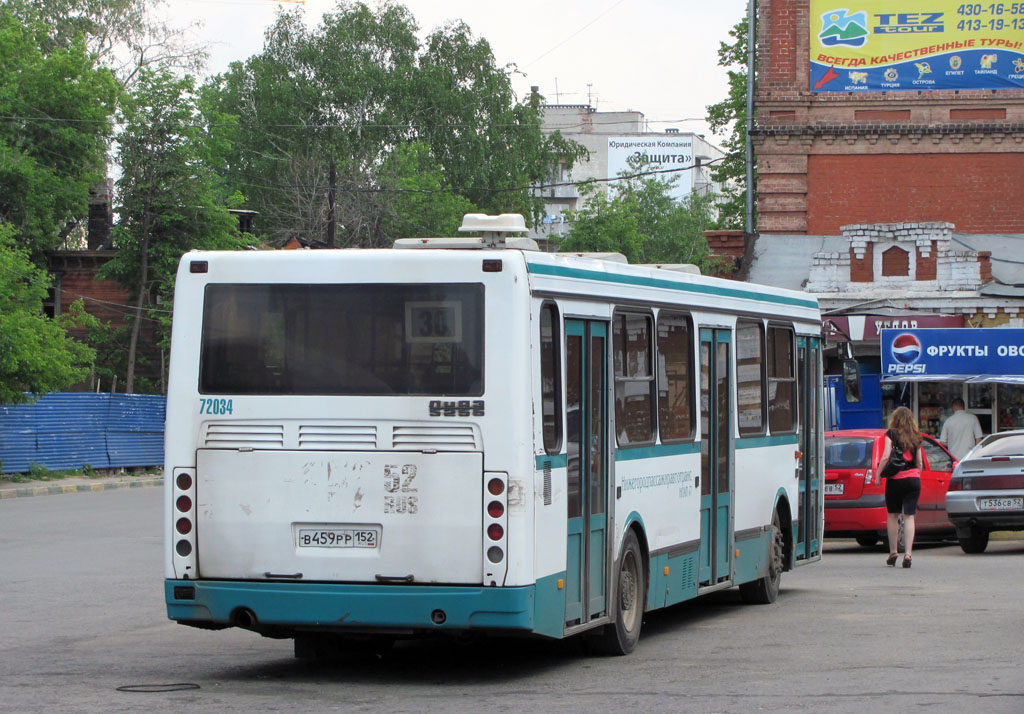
[495, 232]
[610, 257]
[675, 267]
[495, 229]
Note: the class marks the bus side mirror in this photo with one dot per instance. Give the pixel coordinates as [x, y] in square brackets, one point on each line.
[851, 381]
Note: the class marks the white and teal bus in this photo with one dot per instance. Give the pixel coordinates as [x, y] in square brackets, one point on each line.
[467, 435]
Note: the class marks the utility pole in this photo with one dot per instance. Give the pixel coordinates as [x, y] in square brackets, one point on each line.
[331, 220]
[751, 44]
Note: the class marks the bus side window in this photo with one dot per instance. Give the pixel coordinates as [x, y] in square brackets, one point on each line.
[781, 380]
[634, 379]
[675, 376]
[750, 377]
[550, 384]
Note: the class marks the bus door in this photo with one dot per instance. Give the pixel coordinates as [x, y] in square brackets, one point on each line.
[586, 382]
[715, 457]
[808, 536]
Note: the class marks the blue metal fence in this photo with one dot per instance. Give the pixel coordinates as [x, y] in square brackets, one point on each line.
[71, 430]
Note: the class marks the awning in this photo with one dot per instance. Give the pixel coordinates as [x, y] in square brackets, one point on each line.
[969, 379]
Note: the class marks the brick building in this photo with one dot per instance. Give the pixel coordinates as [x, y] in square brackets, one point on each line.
[836, 158]
[869, 277]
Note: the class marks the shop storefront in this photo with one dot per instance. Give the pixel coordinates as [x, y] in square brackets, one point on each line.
[926, 369]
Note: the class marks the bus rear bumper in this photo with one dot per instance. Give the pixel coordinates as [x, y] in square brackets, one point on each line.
[276, 606]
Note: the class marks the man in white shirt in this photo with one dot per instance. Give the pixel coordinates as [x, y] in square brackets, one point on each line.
[961, 431]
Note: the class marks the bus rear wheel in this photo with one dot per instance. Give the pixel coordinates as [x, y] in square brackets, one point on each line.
[765, 590]
[620, 637]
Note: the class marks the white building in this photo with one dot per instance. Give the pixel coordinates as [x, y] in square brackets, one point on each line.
[612, 138]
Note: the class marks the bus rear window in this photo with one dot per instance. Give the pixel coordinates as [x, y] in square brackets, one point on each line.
[374, 339]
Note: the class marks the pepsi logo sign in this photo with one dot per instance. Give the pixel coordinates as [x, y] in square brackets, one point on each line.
[906, 348]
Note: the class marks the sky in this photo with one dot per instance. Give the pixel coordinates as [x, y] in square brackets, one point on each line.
[658, 57]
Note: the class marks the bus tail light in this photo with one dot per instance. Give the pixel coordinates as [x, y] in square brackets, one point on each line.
[184, 517]
[495, 528]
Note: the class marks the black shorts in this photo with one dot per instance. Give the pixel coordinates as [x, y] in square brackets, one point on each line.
[902, 494]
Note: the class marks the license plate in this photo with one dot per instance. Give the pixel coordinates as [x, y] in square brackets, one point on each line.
[1001, 504]
[339, 537]
[834, 489]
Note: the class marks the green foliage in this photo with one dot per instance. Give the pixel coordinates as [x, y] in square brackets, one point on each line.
[419, 207]
[394, 115]
[38, 472]
[169, 197]
[36, 355]
[124, 36]
[729, 118]
[52, 141]
[640, 219]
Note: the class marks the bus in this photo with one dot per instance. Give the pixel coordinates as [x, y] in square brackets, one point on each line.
[469, 435]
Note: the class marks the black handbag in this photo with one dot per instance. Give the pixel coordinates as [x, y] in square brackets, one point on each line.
[896, 462]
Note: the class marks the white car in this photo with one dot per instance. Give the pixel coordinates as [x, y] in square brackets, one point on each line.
[986, 492]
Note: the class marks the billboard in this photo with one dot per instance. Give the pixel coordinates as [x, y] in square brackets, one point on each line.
[654, 152]
[918, 45]
[969, 355]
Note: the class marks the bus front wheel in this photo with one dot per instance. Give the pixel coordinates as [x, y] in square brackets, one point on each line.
[620, 637]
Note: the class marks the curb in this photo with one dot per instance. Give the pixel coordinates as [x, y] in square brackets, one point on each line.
[78, 488]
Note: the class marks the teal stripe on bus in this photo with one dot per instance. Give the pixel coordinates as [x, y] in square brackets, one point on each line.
[757, 442]
[656, 450]
[565, 272]
[558, 461]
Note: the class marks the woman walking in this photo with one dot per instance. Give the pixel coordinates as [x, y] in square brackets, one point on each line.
[902, 489]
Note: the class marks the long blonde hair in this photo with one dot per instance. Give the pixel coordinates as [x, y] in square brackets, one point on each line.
[904, 426]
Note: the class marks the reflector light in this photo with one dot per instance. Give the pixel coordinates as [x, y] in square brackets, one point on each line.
[495, 509]
[495, 532]
[495, 487]
[184, 526]
[184, 504]
[184, 481]
[183, 548]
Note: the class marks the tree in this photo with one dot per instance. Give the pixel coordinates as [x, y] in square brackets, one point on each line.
[169, 201]
[361, 99]
[36, 355]
[122, 35]
[640, 218]
[57, 111]
[729, 117]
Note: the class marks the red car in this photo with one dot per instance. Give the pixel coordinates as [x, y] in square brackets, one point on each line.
[855, 494]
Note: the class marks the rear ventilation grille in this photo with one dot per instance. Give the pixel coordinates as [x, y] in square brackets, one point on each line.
[223, 434]
[441, 438]
[340, 436]
[327, 436]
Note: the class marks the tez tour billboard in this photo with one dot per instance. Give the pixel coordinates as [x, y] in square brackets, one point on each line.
[916, 45]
